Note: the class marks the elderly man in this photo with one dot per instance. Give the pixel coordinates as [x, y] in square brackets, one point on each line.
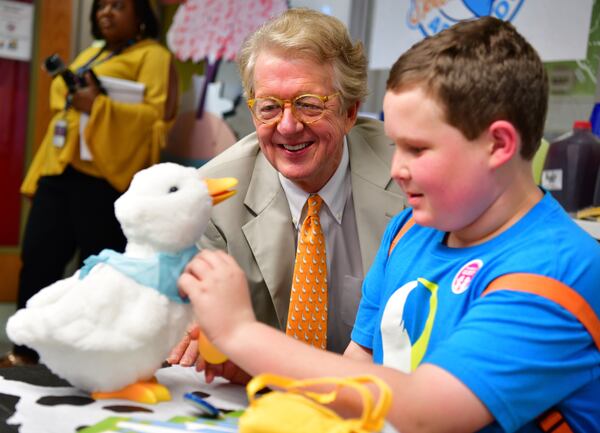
[304, 79]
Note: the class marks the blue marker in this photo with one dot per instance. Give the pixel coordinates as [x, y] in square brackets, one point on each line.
[202, 405]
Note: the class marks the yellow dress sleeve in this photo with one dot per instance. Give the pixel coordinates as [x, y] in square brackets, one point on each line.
[124, 138]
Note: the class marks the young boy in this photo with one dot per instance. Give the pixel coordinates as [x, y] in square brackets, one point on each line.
[466, 110]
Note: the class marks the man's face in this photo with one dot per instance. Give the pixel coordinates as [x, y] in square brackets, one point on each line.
[307, 154]
[446, 177]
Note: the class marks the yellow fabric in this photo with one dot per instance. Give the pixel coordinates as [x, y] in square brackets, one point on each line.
[537, 165]
[422, 343]
[307, 315]
[296, 410]
[123, 138]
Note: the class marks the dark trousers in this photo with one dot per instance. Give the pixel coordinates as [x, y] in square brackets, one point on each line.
[70, 212]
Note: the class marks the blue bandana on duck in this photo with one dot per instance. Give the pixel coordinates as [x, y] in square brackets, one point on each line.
[159, 272]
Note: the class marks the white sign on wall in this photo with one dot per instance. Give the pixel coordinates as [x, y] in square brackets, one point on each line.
[16, 29]
[341, 9]
[558, 29]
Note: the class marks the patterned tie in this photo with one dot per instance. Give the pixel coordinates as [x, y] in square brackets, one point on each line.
[307, 315]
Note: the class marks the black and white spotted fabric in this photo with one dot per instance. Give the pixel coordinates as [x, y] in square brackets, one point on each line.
[33, 400]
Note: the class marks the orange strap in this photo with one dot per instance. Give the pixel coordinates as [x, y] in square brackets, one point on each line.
[407, 225]
[555, 291]
[553, 422]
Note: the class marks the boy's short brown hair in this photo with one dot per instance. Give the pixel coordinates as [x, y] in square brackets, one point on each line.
[480, 71]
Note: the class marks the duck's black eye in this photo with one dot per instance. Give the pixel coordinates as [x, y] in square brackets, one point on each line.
[173, 189]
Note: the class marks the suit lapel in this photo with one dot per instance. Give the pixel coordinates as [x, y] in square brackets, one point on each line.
[373, 204]
[270, 234]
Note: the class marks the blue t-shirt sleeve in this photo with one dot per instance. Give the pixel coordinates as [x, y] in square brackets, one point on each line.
[520, 354]
[367, 317]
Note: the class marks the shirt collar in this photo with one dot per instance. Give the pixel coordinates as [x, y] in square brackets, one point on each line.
[334, 193]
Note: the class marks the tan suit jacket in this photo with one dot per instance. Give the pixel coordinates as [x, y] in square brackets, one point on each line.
[255, 225]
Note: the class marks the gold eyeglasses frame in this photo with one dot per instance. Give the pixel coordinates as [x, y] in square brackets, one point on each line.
[283, 102]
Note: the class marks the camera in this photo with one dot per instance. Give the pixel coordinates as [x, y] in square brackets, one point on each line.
[55, 66]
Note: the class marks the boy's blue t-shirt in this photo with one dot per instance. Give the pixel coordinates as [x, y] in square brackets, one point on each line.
[519, 353]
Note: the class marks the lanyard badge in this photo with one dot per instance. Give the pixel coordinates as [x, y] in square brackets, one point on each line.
[60, 133]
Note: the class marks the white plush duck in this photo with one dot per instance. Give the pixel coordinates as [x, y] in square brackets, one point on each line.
[114, 321]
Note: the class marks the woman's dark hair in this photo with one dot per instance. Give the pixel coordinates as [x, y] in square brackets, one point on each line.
[144, 13]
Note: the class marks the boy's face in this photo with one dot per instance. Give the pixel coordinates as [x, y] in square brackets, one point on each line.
[446, 177]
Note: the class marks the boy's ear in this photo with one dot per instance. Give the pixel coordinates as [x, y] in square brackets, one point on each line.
[506, 142]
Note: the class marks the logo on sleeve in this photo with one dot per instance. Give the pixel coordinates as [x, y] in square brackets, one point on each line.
[463, 278]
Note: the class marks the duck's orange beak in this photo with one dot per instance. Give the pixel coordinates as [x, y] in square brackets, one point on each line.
[220, 189]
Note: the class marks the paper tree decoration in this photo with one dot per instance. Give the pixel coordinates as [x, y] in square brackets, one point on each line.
[213, 30]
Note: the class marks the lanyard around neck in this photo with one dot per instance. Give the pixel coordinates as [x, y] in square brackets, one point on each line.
[94, 60]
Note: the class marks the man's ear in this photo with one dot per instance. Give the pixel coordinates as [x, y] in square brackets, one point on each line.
[506, 142]
[351, 114]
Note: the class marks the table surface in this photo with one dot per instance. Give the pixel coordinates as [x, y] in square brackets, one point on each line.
[34, 400]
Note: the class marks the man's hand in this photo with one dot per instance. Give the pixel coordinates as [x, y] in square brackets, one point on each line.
[227, 370]
[186, 355]
[186, 351]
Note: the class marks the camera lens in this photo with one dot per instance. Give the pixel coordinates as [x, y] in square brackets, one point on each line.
[54, 65]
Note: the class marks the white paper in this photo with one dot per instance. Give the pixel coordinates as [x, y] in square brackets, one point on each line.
[558, 29]
[131, 92]
[16, 29]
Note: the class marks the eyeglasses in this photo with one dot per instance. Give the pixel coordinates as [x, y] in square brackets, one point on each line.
[305, 108]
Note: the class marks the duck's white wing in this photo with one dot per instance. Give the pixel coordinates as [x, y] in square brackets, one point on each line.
[25, 327]
[105, 311]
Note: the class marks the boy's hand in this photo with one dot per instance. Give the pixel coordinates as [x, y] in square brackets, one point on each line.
[218, 291]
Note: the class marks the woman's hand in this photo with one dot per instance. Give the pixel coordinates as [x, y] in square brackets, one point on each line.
[83, 99]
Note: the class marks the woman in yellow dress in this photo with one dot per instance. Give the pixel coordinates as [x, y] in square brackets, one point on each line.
[94, 144]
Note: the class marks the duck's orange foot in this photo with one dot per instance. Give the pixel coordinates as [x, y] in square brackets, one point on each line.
[141, 392]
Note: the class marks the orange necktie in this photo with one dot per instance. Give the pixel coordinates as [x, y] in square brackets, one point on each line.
[307, 315]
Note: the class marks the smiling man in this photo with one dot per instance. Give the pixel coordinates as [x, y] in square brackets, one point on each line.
[304, 79]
